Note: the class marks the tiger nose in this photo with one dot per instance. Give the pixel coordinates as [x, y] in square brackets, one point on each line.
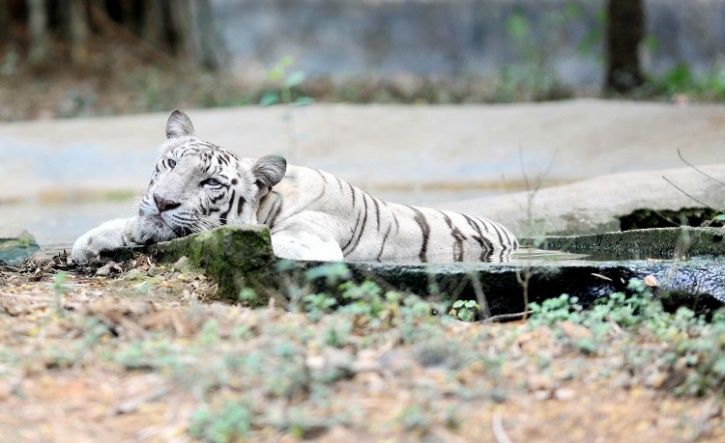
[165, 204]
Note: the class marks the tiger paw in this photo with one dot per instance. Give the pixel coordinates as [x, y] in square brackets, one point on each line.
[107, 237]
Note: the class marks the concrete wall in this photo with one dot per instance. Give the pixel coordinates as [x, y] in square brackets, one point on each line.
[459, 38]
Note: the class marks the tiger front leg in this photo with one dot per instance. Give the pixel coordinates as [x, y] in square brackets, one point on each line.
[119, 233]
[305, 246]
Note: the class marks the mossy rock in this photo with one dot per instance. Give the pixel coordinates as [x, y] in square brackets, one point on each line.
[237, 257]
[17, 247]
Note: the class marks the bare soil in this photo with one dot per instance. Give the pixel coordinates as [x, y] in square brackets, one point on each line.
[139, 351]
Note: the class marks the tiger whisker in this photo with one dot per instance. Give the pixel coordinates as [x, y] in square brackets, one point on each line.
[204, 224]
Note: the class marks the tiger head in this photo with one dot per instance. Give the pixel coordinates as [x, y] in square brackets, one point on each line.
[198, 186]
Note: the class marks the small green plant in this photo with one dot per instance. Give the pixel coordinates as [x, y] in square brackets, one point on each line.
[338, 334]
[465, 309]
[413, 418]
[247, 295]
[316, 305]
[60, 283]
[231, 422]
[690, 348]
[143, 288]
[210, 333]
[60, 286]
[286, 82]
[554, 310]
[147, 354]
[332, 273]
[682, 80]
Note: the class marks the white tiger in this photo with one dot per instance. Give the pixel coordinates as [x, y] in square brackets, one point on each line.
[311, 214]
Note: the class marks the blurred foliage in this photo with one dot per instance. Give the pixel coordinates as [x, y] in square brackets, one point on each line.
[284, 85]
[46, 33]
[127, 67]
[681, 80]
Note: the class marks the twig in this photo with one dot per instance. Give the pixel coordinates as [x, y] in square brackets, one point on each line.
[134, 403]
[688, 195]
[511, 316]
[480, 296]
[530, 217]
[679, 153]
[524, 282]
[499, 433]
[615, 326]
[669, 220]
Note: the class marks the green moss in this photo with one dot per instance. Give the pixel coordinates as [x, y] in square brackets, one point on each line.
[236, 257]
[14, 250]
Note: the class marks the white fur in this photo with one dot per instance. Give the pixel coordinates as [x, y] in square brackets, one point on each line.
[312, 215]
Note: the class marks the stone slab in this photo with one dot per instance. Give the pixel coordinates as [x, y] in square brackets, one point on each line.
[597, 204]
[230, 255]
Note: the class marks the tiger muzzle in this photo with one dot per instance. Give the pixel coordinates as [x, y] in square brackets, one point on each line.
[163, 204]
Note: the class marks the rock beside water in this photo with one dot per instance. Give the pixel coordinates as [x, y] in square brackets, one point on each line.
[16, 245]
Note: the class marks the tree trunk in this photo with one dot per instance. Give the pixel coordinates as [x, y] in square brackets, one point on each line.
[153, 31]
[5, 22]
[38, 23]
[183, 28]
[183, 36]
[78, 23]
[210, 47]
[197, 34]
[625, 31]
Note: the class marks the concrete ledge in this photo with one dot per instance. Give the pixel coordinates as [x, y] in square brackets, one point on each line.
[661, 243]
[598, 204]
[240, 257]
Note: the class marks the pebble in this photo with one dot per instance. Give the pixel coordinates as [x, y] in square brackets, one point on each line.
[656, 380]
[104, 270]
[181, 264]
[564, 394]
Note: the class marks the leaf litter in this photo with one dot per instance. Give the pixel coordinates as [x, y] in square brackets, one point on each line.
[139, 351]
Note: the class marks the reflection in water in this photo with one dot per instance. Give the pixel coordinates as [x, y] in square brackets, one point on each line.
[524, 256]
[533, 255]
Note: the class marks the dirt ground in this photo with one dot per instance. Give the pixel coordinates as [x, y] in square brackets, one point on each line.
[141, 352]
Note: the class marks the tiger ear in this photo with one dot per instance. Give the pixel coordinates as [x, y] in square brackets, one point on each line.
[269, 170]
[178, 125]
